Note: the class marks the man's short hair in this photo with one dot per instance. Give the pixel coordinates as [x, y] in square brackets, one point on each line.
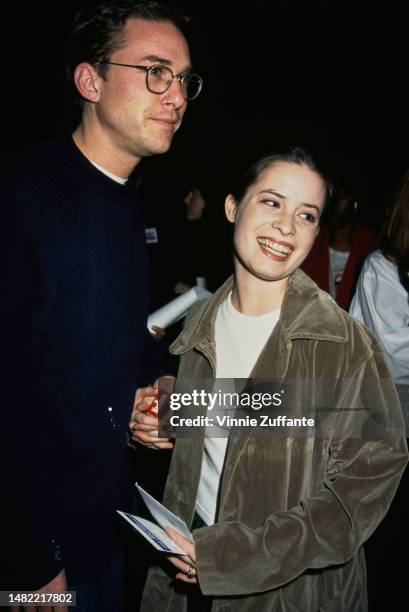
[97, 32]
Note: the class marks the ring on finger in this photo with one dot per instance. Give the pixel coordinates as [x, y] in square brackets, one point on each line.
[191, 573]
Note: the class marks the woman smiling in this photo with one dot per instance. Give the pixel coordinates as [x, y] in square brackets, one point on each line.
[278, 522]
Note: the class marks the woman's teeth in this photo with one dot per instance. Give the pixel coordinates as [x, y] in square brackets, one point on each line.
[274, 247]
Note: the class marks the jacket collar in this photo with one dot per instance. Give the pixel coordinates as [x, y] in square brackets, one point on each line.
[306, 312]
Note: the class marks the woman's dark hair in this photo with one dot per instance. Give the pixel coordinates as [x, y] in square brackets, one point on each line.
[293, 155]
[97, 32]
[393, 239]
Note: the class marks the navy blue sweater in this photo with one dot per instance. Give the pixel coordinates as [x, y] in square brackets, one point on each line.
[73, 313]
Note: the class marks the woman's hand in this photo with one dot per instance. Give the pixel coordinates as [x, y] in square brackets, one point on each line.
[186, 565]
[143, 426]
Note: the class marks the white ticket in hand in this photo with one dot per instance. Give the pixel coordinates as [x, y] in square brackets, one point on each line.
[177, 308]
[154, 534]
[162, 515]
[151, 532]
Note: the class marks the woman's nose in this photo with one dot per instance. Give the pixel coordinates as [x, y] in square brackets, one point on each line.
[284, 223]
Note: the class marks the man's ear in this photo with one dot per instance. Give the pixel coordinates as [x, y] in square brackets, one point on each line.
[87, 81]
[230, 208]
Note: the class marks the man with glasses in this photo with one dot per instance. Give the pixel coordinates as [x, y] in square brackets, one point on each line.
[75, 303]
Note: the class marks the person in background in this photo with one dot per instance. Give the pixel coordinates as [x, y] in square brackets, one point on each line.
[175, 235]
[75, 298]
[335, 259]
[381, 297]
[278, 520]
[195, 206]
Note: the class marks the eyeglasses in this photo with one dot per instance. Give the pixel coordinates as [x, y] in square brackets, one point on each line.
[159, 79]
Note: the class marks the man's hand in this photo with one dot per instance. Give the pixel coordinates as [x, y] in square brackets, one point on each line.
[180, 288]
[56, 585]
[143, 426]
[158, 332]
[186, 565]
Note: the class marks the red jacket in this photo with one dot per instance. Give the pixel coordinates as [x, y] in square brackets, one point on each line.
[317, 263]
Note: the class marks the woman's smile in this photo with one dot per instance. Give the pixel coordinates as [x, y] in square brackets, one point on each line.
[275, 249]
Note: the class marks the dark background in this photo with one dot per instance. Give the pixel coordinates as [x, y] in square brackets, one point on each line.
[329, 75]
[267, 66]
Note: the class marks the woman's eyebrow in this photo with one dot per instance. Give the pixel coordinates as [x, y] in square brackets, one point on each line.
[283, 197]
[279, 195]
[312, 206]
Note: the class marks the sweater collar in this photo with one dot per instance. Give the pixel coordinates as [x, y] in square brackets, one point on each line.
[94, 174]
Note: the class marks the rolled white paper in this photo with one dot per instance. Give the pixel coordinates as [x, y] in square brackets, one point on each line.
[201, 282]
[177, 308]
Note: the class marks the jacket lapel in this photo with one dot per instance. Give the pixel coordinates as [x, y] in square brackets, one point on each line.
[305, 313]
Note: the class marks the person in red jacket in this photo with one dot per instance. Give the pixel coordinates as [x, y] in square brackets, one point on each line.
[340, 248]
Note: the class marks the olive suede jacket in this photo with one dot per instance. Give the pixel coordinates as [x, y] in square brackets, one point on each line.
[293, 512]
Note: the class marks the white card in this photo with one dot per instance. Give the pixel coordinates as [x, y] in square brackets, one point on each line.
[154, 534]
[162, 515]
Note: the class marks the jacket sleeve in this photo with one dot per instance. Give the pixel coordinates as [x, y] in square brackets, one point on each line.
[381, 303]
[364, 466]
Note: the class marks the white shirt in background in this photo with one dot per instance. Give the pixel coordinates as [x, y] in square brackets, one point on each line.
[337, 263]
[381, 303]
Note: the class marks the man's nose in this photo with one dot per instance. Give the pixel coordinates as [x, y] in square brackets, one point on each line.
[174, 95]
